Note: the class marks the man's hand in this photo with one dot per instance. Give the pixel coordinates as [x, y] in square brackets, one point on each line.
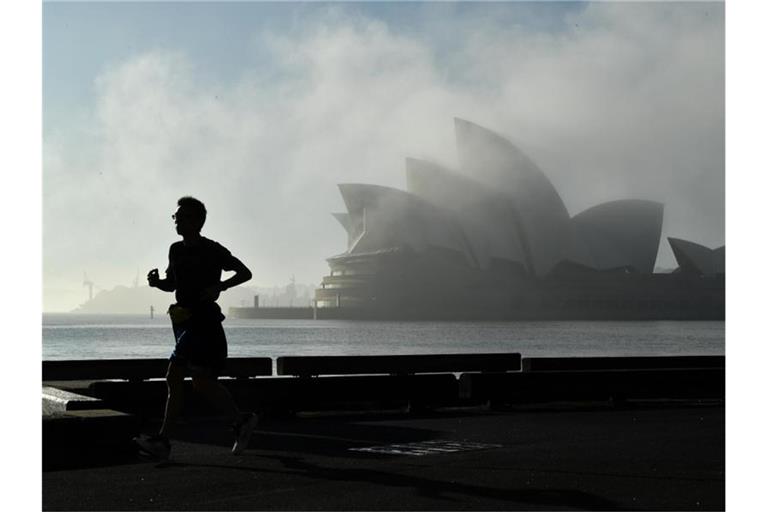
[153, 278]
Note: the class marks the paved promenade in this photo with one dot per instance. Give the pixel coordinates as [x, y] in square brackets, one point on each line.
[661, 457]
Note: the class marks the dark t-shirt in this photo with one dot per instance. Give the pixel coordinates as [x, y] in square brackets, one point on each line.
[192, 268]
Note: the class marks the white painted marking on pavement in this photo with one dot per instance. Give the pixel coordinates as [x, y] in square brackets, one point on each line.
[426, 448]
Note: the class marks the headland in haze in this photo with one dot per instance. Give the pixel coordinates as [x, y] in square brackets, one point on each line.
[139, 299]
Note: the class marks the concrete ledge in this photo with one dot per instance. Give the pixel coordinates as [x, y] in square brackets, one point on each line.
[397, 365]
[79, 387]
[537, 364]
[598, 385]
[244, 367]
[366, 392]
[60, 401]
[289, 394]
[142, 369]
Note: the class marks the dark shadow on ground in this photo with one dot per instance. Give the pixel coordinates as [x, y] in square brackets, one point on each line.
[322, 436]
[318, 436]
[76, 456]
[429, 488]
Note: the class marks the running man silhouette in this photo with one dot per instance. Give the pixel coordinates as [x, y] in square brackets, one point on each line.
[194, 272]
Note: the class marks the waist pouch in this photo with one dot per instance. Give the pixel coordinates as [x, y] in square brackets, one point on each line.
[207, 312]
[179, 314]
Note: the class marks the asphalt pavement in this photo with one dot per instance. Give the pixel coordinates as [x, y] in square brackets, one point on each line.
[665, 456]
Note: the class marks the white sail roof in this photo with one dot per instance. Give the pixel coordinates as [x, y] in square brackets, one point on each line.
[488, 219]
[622, 233]
[498, 164]
[697, 258]
[393, 218]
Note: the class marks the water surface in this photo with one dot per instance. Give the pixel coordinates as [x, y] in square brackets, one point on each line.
[72, 336]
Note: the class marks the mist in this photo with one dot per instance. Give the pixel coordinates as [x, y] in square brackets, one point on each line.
[621, 101]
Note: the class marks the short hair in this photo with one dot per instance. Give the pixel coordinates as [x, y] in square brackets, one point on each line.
[195, 207]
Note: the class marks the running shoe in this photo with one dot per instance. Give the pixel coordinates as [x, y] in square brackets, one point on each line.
[156, 447]
[243, 430]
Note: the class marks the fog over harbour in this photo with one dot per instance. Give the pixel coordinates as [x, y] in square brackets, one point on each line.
[260, 110]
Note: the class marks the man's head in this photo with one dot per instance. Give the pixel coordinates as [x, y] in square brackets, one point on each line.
[189, 216]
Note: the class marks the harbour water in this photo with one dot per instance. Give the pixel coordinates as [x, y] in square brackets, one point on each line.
[79, 336]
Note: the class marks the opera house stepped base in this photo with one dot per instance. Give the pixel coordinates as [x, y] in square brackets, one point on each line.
[493, 240]
[433, 285]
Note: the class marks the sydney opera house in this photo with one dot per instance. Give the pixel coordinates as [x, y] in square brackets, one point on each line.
[494, 240]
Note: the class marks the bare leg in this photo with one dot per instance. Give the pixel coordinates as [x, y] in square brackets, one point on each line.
[173, 406]
[216, 394]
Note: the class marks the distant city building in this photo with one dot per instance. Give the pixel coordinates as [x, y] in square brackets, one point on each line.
[493, 239]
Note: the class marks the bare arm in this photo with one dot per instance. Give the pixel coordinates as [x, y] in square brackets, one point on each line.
[153, 278]
[242, 274]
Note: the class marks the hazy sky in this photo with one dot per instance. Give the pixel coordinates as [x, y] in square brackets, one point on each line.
[261, 109]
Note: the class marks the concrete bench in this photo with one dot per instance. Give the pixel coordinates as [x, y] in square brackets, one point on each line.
[601, 378]
[143, 369]
[306, 366]
[280, 395]
[594, 385]
[539, 364]
[420, 380]
[57, 401]
[359, 392]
